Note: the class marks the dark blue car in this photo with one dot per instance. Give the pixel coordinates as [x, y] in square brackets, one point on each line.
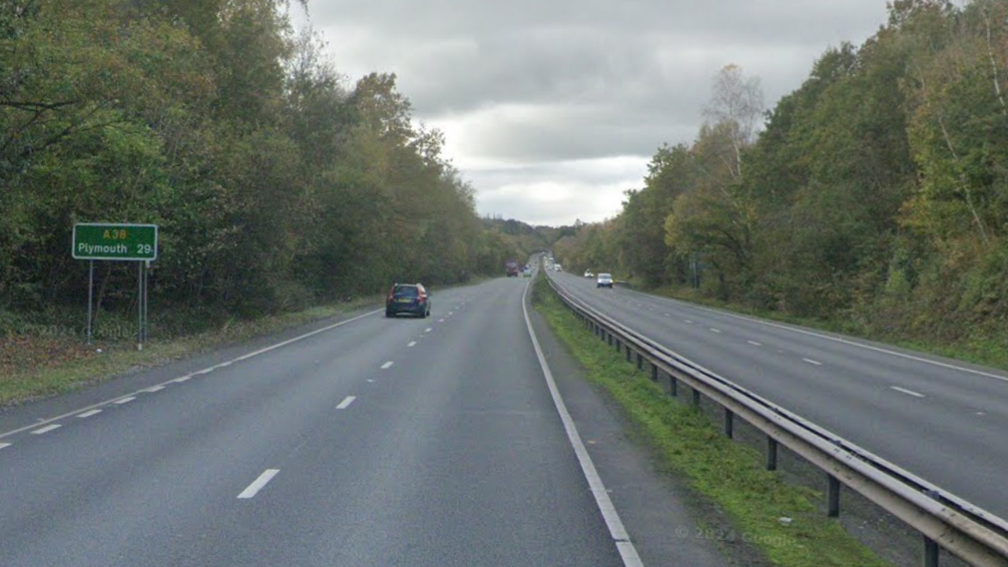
[408, 298]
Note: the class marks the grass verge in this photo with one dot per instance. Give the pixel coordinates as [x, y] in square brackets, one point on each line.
[730, 474]
[64, 363]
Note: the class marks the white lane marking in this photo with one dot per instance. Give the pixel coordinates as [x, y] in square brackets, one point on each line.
[204, 371]
[90, 413]
[259, 483]
[346, 402]
[370, 381]
[629, 554]
[154, 389]
[907, 392]
[411, 344]
[182, 379]
[223, 364]
[47, 429]
[754, 343]
[978, 413]
[387, 365]
[440, 320]
[668, 314]
[4, 445]
[813, 362]
[849, 342]
[688, 322]
[427, 330]
[713, 330]
[124, 401]
[450, 313]
[616, 529]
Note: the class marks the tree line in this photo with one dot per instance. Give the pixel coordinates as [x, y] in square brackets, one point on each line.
[274, 183]
[876, 193]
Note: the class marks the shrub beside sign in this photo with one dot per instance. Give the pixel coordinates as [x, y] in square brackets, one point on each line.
[103, 241]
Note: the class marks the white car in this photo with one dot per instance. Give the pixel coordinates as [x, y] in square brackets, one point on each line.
[589, 274]
[604, 280]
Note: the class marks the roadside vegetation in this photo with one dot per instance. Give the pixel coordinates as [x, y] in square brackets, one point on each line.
[278, 183]
[872, 200]
[686, 443]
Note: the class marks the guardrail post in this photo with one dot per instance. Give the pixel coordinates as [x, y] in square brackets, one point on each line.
[628, 353]
[771, 454]
[654, 372]
[610, 339]
[673, 386]
[729, 423]
[931, 552]
[833, 496]
[640, 361]
[696, 398]
[617, 344]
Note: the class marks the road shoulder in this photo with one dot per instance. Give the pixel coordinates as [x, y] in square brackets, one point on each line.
[667, 521]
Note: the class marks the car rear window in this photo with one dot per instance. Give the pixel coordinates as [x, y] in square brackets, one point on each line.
[406, 291]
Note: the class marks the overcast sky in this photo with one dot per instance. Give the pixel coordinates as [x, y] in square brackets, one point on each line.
[552, 108]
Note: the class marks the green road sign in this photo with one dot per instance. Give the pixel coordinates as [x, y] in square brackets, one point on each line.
[104, 241]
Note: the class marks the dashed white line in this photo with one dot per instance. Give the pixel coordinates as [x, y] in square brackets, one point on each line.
[428, 329]
[370, 381]
[47, 429]
[908, 392]
[713, 330]
[153, 389]
[259, 483]
[387, 365]
[440, 320]
[124, 401]
[411, 344]
[205, 370]
[346, 402]
[90, 413]
[754, 343]
[688, 322]
[4, 445]
[812, 362]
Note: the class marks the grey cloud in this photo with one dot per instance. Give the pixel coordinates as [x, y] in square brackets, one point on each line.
[541, 84]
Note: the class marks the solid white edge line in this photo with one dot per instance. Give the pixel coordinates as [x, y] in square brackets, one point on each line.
[89, 413]
[849, 342]
[616, 529]
[258, 484]
[188, 376]
[122, 401]
[908, 392]
[754, 343]
[346, 402]
[713, 330]
[814, 362]
[4, 445]
[47, 429]
[153, 389]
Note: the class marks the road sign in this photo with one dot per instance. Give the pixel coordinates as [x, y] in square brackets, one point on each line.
[106, 241]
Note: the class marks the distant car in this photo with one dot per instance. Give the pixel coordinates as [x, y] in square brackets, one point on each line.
[604, 280]
[557, 267]
[527, 272]
[589, 274]
[512, 269]
[408, 298]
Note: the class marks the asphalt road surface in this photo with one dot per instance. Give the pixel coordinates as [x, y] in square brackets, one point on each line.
[379, 442]
[940, 419]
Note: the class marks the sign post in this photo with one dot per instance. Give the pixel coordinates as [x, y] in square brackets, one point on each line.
[118, 242]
